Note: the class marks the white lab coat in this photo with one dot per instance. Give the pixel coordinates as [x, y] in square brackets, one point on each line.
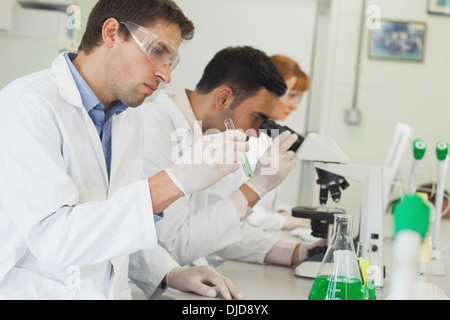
[207, 221]
[265, 212]
[66, 232]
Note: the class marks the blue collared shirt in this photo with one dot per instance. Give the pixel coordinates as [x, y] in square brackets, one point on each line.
[100, 118]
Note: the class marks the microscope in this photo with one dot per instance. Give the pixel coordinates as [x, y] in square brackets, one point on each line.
[332, 166]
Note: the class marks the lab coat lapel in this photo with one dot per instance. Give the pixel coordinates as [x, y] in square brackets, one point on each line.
[122, 134]
[181, 101]
[69, 92]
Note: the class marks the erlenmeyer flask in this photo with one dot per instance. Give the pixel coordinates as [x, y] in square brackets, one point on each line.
[338, 277]
[363, 252]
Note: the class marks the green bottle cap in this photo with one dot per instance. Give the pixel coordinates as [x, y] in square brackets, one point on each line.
[419, 149]
[411, 213]
[441, 150]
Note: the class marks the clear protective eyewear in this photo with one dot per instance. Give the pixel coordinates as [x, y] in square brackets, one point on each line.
[293, 95]
[159, 51]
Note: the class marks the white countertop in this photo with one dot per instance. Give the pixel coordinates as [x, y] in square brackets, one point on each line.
[272, 282]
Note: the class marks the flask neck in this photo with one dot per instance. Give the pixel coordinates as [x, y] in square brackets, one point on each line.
[342, 239]
[343, 225]
[364, 250]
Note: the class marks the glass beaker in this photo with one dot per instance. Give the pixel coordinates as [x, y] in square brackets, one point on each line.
[338, 277]
[363, 253]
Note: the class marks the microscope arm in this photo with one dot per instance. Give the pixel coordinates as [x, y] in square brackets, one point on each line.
[314, 147]
[371, 215]
[318, 148]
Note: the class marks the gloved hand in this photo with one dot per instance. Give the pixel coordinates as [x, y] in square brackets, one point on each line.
[198, 279]
[208, 160]
[274, 165]
[291, 222]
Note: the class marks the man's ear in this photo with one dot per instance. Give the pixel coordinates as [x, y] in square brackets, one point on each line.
[224, 97]
[110, 32]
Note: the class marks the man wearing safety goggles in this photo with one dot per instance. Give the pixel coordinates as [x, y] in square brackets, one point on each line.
[160, 52]
[74, 204]
[137, 75]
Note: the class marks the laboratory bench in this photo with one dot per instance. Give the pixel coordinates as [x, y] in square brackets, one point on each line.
[272, 282]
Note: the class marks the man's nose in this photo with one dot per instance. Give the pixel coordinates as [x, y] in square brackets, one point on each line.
[163, 74]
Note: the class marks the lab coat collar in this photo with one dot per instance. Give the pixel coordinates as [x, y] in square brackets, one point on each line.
[122, 136]
[88, 97]
[182, 101]
[65, 82]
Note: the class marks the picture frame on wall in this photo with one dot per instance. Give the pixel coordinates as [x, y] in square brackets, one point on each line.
[439, 7]
[398, 40]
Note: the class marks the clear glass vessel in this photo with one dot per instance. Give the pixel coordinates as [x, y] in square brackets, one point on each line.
[339, 275]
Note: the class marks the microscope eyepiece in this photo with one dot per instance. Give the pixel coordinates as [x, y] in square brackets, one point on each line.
[273, 129]
[343, 183]
[329, 182]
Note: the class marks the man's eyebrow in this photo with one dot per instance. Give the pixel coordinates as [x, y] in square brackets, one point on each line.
[164, 47]
[261, 115]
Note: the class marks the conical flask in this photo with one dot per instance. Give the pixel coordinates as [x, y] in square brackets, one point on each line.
[339, 277]
[363, 253]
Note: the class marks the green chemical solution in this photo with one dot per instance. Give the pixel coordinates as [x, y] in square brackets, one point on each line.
[369, 290]
[246, 165]
[336, 288]
[229, 124]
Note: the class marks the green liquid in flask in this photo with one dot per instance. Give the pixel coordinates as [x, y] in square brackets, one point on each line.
[336, 288]
[369, 290]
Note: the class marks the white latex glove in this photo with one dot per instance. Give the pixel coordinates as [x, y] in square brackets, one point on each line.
[208, 160]
[274, 165]
[291, 222]
[198, 280]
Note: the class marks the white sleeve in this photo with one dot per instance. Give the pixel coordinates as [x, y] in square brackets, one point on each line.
[191, 227]
[253, 247]
[262, 219]
[189, 234]
[265, 214]
[147, 269]
[42, 200]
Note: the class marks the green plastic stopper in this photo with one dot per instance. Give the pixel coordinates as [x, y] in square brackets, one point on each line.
[419, 149]
[441, 150]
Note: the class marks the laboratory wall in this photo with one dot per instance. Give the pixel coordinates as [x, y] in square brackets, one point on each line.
[414, 93]
[323, 36]
[274, 26]
[31, 52]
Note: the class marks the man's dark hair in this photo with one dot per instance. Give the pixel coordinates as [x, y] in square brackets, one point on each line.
[245, 70]
[142, 12]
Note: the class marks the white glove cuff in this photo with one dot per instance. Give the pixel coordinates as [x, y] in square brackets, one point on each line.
[241, 203]
[175, 269]
[175, 180]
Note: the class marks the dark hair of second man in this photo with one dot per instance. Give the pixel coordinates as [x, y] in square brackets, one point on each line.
[245, 70]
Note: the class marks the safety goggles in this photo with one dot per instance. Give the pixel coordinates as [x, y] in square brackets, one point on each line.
[159, 51]
[291, 95]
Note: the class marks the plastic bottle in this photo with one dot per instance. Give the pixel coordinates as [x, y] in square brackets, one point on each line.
[411, 217]
[339, 277]
[363, 252]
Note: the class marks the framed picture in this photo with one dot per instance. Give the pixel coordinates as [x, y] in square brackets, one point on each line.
[397, 40]
[439, 7]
